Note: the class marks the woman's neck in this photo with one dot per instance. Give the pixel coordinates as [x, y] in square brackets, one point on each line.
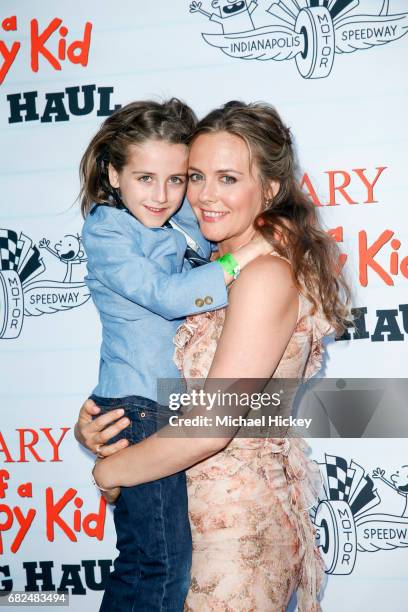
[235, 242]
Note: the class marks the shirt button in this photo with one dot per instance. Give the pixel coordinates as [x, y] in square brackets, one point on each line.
[142, 414]
[208, 299]
[199, 302]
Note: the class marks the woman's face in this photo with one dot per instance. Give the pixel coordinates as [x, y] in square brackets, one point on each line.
[153, 181]
[224, 190]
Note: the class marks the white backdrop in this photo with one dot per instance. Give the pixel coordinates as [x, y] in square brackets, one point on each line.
[340, 85]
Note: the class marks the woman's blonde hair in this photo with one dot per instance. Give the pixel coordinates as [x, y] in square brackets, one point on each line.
[289, 219]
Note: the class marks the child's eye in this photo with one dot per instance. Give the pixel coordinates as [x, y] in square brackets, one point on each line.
[195, 176]
[145, 179]
[176, 180]
[228, 180]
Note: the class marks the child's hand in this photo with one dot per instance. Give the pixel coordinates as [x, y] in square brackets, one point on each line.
[255, 248]
[248, 252]
[259, 246]
[94, 433]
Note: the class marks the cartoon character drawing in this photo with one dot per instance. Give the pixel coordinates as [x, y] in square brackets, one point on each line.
[67, 250]
[398, 482]
[233, 15]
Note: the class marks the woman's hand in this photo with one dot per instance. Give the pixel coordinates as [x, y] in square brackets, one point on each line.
[94, 433]
[110, 495]
[259, 322]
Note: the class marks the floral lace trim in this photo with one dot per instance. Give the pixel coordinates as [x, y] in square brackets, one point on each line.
[194, 326]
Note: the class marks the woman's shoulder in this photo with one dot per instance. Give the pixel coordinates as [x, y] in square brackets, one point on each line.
[266, 272]
[266, 285]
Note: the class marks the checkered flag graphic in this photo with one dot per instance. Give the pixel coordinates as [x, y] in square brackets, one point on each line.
[339, 477]
[18, 253]
[8, 249]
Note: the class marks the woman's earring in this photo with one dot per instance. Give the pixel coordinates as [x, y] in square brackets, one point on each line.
[267, 204]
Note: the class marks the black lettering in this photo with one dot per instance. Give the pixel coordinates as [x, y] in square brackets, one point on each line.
[387, 323]
[104, 102]
[105, 566]
[55, 106]
[359, 320]
[33, 576]
[404, 309]
[29, 106]
[71, 577]
[7, 585]
[73, 99]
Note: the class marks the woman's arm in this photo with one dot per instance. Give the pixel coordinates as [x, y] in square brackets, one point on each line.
[259, 322]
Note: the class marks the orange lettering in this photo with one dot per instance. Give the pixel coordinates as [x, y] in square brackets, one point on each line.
[367, 255]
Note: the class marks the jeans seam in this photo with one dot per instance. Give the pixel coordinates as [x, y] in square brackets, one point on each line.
[163, 531]
[166, 582]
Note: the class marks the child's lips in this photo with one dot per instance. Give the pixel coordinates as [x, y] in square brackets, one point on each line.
[154, 210]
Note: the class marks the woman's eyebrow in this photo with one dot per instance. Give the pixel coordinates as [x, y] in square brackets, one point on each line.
[227, 170]
[222, 171]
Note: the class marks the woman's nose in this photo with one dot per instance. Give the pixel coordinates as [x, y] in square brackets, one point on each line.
[208, 193]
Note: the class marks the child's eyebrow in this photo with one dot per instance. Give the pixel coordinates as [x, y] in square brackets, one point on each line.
[143, 172]
[155, 174]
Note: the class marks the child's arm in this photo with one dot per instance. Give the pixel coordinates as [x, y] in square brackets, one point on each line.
[115, 260]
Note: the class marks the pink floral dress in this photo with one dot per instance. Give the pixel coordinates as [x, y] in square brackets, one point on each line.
[253, 540]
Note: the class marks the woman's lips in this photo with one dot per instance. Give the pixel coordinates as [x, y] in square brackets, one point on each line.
[212, 216]
[155, 211]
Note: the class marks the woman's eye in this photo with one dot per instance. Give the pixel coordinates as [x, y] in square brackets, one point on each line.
[145, 179]
[195, 176]
[229, 180]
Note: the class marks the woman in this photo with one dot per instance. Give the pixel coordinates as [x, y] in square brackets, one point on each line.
[248, 498]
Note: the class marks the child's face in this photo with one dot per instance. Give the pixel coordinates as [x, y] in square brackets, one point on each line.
[153, 182]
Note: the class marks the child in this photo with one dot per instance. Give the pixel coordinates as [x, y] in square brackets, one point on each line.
[144, 277]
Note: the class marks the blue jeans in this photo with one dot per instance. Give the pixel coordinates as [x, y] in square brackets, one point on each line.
[152, 570]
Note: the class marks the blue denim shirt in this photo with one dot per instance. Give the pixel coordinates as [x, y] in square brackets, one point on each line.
[143, 289]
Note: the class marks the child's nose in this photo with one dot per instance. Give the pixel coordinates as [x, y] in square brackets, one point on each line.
[160, 194]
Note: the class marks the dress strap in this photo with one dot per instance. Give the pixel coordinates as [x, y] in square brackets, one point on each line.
[276, 254]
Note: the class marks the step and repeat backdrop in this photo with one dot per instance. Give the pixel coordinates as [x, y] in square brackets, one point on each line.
[335, 70]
